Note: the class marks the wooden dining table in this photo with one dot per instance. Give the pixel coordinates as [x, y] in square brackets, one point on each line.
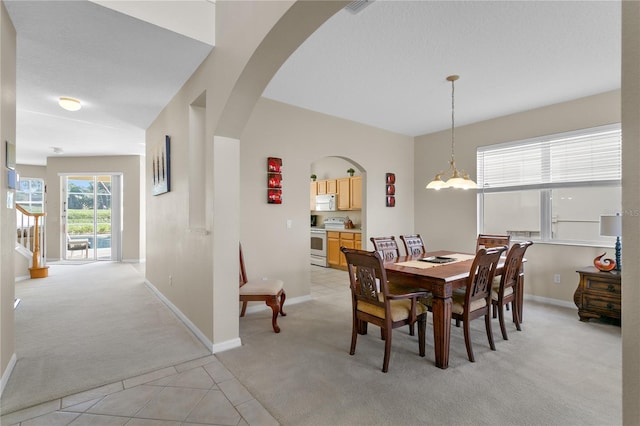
[441, 280]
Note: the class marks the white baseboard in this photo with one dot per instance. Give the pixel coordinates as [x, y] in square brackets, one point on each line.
[550, 301]
[225, 346]
[191, 326]
[261, 306]
[7, 372]
[23, 277]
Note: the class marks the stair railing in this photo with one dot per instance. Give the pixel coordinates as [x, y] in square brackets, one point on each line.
[30, 235]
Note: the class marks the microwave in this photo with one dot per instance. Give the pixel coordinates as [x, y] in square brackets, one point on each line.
[326, 203]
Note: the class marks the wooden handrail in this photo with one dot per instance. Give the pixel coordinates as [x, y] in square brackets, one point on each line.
[36, 270]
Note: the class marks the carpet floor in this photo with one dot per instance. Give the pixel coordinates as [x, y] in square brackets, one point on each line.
[557, 371]
[88, 325]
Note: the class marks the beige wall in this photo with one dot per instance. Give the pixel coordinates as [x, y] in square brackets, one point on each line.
[300, 137]
[455, 211]
[7, 215]
[133, 199]
[631, 209]
[29, 171]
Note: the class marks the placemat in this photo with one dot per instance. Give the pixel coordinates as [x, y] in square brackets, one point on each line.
[420, 264]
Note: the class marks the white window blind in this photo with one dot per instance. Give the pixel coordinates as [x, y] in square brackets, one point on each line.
[591, 155]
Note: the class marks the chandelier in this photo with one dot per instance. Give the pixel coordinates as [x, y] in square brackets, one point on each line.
[457, 179]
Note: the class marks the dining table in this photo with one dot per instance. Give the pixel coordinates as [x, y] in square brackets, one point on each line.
[441, 280]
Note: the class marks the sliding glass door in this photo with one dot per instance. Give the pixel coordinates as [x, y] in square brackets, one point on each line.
[91, 214]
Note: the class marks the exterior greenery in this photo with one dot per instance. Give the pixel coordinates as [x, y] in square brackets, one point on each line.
[80, 221]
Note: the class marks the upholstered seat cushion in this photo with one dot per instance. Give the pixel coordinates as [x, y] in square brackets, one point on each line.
[494, 292]
[457, 307]
[267, 286]
[400, 309]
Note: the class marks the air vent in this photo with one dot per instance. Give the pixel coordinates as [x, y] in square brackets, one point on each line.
[357, 6]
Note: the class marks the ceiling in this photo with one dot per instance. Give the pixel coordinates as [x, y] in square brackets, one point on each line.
[385, 66]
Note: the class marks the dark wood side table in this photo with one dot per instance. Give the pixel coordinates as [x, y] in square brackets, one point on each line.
[598, 294]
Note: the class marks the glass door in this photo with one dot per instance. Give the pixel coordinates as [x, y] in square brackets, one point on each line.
[89, 219]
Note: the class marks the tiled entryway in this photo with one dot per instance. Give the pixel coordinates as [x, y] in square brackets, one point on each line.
[199, 392]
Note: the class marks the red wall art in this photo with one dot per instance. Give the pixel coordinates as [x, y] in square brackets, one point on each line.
[390, 189]
[274, 180]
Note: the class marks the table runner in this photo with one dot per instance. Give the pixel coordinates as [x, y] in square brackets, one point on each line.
[420, 264]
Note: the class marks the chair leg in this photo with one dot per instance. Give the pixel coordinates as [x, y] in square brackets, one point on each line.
[467, 340]
[503, 329]
[516, 317]
[272, 302]
[355, 330]
[387, 350]
[494, 307]
[422, 327]
[283, 296]
[487, 322]
[457, 322]
[411, 330]
[244, 308]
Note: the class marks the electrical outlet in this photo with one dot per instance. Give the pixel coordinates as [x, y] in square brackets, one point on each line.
[289, 223]
[170, 280]
[556, 278]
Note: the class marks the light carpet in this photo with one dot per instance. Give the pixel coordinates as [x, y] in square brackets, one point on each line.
[88, 325]
[557, 371]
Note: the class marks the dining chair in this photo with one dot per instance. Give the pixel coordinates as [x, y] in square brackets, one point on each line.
[270, 291]
[413, 244]
[505, 286]
[475, 302]
[389, 252]
[488, 241]
[387, 247]
[373, 303]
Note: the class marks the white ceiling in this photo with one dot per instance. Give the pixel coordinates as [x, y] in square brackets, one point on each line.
[385, 66]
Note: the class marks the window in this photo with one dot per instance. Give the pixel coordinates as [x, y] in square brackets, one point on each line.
[552, 188]
[30, 194]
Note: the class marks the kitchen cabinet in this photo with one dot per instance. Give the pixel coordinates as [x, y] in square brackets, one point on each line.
[313, 191]
[326, 186]
[350, 193]
[337, 239]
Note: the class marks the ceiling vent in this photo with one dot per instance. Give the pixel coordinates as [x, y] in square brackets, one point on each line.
[357, 6]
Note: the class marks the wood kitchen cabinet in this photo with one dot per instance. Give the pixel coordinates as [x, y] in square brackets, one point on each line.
[598, 294]
[313, 191]
[350, 193]
[328, 186]
[337, 239]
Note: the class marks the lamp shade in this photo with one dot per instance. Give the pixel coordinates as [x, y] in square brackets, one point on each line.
[611, 226]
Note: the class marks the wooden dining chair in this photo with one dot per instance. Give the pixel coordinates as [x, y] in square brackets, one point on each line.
[389, 252]
[270, 291]
[488, 241]
[373, 303]
[387, 247]
[505, 286]
[475, 302]
[413, 244]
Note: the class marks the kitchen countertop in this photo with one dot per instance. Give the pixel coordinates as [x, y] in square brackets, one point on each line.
[322, 228]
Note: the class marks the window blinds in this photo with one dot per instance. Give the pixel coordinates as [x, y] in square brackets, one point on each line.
[591, 155]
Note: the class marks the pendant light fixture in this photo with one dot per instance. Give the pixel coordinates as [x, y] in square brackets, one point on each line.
[457, 179]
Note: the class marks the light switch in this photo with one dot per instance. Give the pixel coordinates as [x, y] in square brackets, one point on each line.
[289, 223]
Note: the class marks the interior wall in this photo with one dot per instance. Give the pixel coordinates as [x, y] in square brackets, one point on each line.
[7, 214]
[300, 137]
[631, 212]
[132, 200]
[447, 218]
[29, 171]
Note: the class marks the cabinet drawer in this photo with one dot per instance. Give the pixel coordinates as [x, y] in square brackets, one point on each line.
[610, 307]
[347, 236]
[333, 234]
[602, 285]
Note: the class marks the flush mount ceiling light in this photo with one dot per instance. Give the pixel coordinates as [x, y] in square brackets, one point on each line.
[460, 180]
[57, 150]
[70, 104]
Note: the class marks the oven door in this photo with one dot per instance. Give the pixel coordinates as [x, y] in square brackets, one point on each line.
[318, 247]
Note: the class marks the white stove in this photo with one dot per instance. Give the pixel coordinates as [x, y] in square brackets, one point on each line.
[335, 222]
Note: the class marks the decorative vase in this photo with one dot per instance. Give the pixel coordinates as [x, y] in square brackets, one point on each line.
[604, 264]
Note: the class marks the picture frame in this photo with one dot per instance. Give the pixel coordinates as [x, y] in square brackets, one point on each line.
[161, 167]
[274, 180]
[10, 155]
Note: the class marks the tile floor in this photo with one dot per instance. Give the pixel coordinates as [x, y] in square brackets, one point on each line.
[198, 392]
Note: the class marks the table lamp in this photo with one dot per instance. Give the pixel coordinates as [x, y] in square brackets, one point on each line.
[611, 226]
